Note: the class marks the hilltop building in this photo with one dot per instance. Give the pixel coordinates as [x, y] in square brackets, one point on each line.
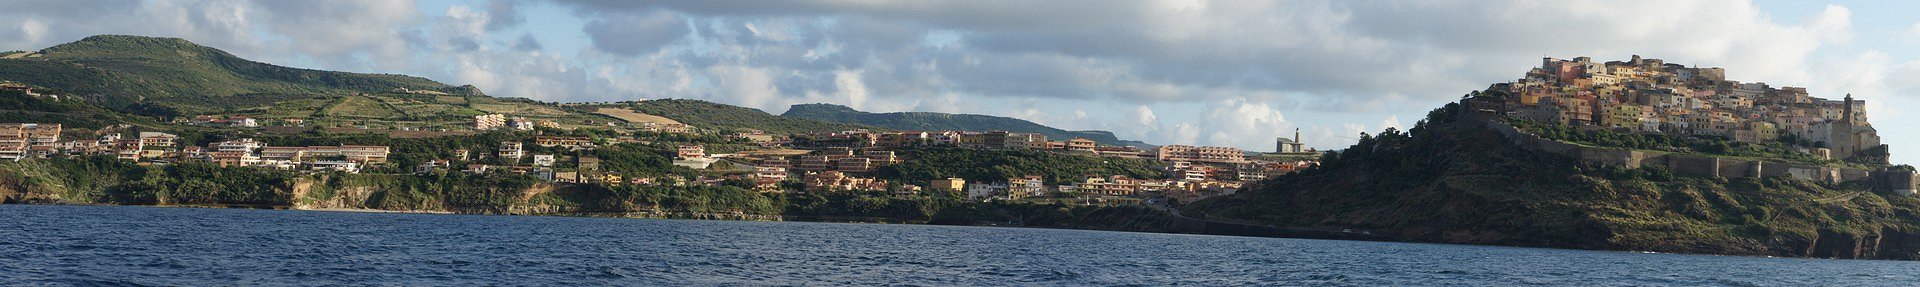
[1290, 146]
[1652, 96]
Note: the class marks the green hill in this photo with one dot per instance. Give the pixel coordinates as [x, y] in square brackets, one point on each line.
[1456, 180]
[18, 107]
[944, 121]
[120, 71]
[710, 115]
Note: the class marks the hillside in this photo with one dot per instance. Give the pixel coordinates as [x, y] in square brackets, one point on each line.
[18, 107]
[119, 71]
[944, 121]
[1454, 180]
[710, 115]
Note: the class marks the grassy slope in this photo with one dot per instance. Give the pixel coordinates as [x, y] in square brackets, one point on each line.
[1457, 183]
[123, 69]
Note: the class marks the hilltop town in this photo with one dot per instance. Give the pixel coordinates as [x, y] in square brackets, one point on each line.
[1652, 96]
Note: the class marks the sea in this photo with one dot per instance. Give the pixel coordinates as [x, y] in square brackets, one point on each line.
[55, 245]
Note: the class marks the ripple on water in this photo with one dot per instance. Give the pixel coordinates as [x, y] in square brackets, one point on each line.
[139, 246]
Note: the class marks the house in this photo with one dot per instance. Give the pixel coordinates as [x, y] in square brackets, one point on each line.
[1081, 144]
[1023, 187]
[811, 163]
[587, 164]
[283, 153]
[520, 124]
[769, 173]
[880, 156]
[489, 122]
[854, 164]
[364, 154]
[18, 140]
[335, 165]
[1172, 153]
[690, 152]
[566, 177]
[948, 184]
[235, 158]
[431, 165]
[543, 160]
[157, 139]
[511, 151]
[246, 145]
[982, 191]
[567, 142]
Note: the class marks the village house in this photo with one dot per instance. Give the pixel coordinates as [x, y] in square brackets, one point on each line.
[1174, 153]
[574, 143]
[950, 184]
[832, 181]
[511, 151]
[21, 140]
[489, 122]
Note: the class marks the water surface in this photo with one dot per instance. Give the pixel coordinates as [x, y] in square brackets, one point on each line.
[118, 245]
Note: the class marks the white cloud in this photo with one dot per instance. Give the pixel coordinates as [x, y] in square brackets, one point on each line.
[33, 30]
[748, 86]
[850, 86]
[1243, 124]
[1392, 121]
[1240, 64]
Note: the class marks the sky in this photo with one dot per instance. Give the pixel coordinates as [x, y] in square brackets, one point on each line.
[1223, 73]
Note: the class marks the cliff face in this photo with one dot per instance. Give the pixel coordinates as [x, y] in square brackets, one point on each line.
[1455, 181]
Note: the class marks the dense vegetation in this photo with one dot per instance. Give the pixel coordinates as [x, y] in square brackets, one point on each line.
[18, 107]
[928, 121]
[999, 165]
[108, 180]
[1453, 182]
[124, 70]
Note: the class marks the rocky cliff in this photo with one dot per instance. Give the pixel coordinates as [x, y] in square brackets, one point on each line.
[1454, 181]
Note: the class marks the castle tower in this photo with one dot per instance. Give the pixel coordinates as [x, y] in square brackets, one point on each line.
[1841, 135]
[1848, 110]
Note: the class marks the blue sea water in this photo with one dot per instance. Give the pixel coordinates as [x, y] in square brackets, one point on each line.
[135, 246]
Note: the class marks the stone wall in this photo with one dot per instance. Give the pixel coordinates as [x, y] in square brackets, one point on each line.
[1901, 182]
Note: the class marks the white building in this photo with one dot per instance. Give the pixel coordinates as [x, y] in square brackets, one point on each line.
[511, 151]
[489, 122]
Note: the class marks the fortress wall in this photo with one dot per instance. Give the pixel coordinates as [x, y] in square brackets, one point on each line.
[1611, 157]
[1736, 168]
[1693, 165]
[1903, 182]
[1690, 165]
[1797, 171]
[1847, 174]
[1559, 148]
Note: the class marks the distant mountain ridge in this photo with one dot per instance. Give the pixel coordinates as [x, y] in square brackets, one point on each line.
[944, 121]
[121, 70]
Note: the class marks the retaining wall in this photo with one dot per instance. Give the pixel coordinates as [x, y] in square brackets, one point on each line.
[1703, 166]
